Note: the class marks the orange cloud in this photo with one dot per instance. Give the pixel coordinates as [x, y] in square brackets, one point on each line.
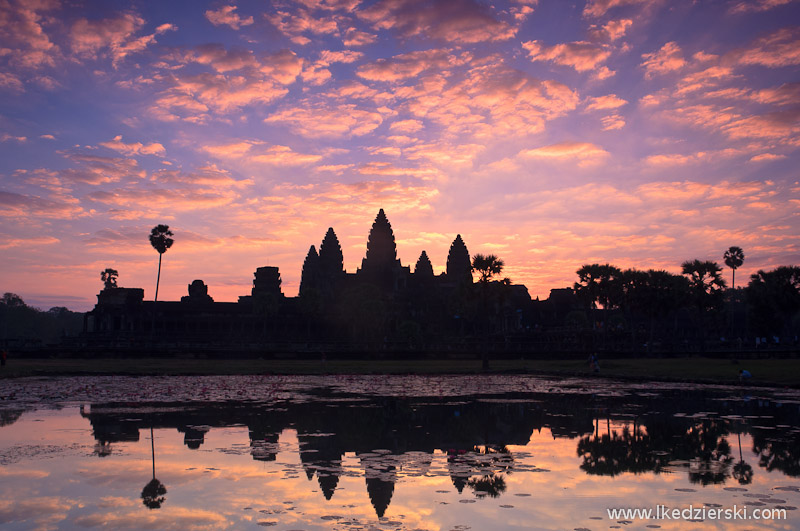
[776, 125]
[581, 55]
[355, 37]
[323, 121]
[406, 126]
[23, 36]
[406, 65]
[192, 96]
[583, 152]
[461, 21]
[766, 157]
[294, 24]
[225, 16]
[612, 122]
[782, 48]
[97, 169]
[488, 101]
[611, 31]
[11, 82]
[135, 148]
[786, 94]
[598, 8]
[610, 101]
[19, 206]
[667, 59]
[89, 37]
[757, 5]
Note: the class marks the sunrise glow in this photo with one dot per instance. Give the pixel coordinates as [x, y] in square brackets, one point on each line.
[637, 132]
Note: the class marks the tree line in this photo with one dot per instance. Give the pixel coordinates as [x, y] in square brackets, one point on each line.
[766, 307]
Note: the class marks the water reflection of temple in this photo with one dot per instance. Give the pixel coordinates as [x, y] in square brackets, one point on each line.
[393, 437]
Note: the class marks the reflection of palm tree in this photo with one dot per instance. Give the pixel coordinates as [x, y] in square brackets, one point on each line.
[153, 493]
[492, 485]
[742, 471]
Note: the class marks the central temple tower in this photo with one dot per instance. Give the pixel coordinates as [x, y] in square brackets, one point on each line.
[381, 261]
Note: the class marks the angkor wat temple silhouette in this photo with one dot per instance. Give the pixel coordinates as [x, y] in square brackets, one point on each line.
[382, 306]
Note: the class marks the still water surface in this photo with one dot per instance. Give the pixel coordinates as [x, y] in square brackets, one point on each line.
[391, 453]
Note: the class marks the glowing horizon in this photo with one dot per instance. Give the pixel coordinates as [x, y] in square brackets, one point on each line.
[641, 133]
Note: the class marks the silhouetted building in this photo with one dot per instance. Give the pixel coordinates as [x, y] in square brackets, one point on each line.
[382, 305]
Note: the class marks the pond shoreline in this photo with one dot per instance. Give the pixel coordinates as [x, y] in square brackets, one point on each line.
[766, 372]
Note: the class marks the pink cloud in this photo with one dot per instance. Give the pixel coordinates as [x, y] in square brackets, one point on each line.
[705, 79]
[255, 152]
[406, 126]
[488, 101]
[19, 206]
[585, 153]
[316, 121]
[611, 31]
[283, 156]
[355, 37]
[769, 157]
[96, 169]
[225, 16]
[316, 74]
[445, 155]
[609, 101]
[667, 59]
[5, 137]
[88, 38]
[158, 199]
[343, 56]
[783, 126]
[294, 24]
[581, 56]
[782, 48]
[204, 176]
[134, 148]
[598, 8]
[406, 65]
[23, 35]
[11, 82]
[193, 96]
[463, 21]
[612, 122]
[757, 5]
[786, 94]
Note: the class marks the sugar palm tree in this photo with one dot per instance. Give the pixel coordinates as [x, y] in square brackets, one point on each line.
[486, 266]
[706, 288]
[109, 278]
[161, 241]
[734, 257]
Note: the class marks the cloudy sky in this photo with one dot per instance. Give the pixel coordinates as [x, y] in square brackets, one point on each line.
[552, 133]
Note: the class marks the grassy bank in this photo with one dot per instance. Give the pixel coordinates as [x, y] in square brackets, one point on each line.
[783, 372]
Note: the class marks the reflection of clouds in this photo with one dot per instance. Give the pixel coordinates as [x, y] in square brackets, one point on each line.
[43, 511]
[178, 518]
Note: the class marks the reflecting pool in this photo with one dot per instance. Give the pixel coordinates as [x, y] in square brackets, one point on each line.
[395, 452]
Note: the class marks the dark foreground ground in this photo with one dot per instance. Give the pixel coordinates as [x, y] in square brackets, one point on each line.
[774, 372]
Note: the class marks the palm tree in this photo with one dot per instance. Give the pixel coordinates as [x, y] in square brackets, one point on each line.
[734, 257]
[706, 287]
[109, 277]
[161, 241]
[600, 283]
[486, 266]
